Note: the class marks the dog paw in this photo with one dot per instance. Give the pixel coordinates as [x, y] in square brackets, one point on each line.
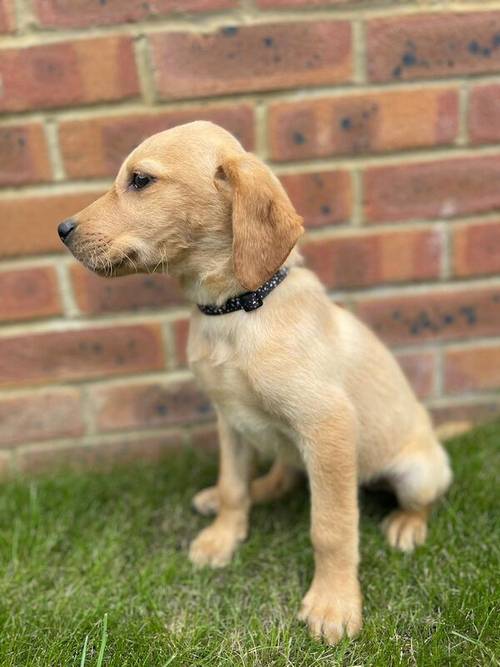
[206, 502]
[332, 614]
[405, 529]
[214, 546]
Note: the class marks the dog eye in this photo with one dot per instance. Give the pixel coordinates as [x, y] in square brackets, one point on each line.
[140, 181]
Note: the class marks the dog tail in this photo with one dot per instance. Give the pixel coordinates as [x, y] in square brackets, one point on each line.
[452, 429]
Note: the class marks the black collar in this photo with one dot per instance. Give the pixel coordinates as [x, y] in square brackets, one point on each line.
[249, 300]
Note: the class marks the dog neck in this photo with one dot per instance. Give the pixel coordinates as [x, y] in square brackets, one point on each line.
[247, 301]
[216, 287]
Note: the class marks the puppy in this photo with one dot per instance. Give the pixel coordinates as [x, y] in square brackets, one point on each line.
[290, 373]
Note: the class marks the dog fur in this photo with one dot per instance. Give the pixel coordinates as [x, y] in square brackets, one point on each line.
[299, 379]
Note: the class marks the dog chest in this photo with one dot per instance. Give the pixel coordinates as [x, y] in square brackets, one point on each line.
[244, 409]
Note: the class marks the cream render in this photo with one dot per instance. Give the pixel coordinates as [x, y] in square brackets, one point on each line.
[300, 379]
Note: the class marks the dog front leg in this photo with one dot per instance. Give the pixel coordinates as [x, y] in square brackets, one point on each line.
[216, 544]
[332, 606]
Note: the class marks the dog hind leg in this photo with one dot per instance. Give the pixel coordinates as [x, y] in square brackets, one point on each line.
[420, 475]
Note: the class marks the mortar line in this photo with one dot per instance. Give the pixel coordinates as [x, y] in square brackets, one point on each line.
[164, 377]
[169, 346]
[485, 218]
[371, 293]
[419, 289]
[51, 133]
[464, 399]
[359, 51]
[75, 187]
[68, 301]
[357, 219]
[473, 344]
[24, 17]
[145, 69]
[400, 158]
[439, 375]
[135, 105]
[34, 33]
[446, 259]
[107, 438]
[86, 411]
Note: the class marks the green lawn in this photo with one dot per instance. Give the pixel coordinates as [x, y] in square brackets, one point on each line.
[82, 551]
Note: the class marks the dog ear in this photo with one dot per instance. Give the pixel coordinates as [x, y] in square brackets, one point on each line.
[265, 224]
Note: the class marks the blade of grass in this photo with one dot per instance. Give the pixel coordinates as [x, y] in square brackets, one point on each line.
[104, 639]
[84, 652]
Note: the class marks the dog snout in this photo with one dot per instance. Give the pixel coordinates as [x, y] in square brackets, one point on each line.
[65, 229]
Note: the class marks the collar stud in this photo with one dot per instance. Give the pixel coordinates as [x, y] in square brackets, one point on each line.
[251, 301]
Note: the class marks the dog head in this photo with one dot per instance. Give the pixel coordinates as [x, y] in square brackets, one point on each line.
[191, 202]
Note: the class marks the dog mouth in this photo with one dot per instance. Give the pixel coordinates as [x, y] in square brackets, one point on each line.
[112, 269]
[111, 259]
[100, 262]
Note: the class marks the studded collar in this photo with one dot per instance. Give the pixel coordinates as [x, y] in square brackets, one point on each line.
[247, 301]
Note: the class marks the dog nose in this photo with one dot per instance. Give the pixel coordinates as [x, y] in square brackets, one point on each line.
[65, 229]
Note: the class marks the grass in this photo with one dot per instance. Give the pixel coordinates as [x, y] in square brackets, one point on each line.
[93, 572]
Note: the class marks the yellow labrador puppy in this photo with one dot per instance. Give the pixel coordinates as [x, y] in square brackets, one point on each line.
[290, 373]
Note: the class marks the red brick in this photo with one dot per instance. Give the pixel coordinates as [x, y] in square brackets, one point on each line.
[68, 74]
[96, 295]
[7, 16]
[437, 315]
[204, 437]
[420, 369]
[484, 114]
[25, 157]
[367, 123]
[5, 464]
[38, 417]
[181, 332]
[83, 13]
[471, 369]
[476, 249]
[444, 189]
[258, 57]
[321, 197]
[40, 215]
[426, 46]
[103, 456]
[80, 355]
[472, 412]
[28, 294]
[97, 147]
[150, 405]
[366, 259]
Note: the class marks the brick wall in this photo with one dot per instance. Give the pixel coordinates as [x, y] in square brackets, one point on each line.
[383, 120]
